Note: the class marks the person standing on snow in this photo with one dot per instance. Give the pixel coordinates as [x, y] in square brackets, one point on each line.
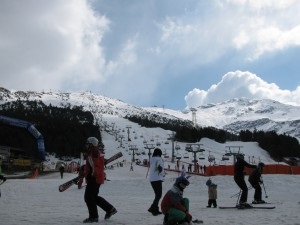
[174, 206]
[255, 181]
[156, 177]
[61, 170]
[212, 193]
[95, 176]
[239, 178]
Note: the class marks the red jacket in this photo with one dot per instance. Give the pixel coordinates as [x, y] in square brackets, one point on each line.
[172, 199]
[95, 165]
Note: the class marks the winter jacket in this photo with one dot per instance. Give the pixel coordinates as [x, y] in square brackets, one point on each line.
[212, 191]
[255, 176]
[94, 167]
[156, 170]
[173, 199]
[239, 167]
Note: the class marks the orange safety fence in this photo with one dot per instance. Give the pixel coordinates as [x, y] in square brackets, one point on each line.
[268, 169]
[35, 174]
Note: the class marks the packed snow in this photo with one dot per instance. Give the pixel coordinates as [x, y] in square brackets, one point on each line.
[38, 201]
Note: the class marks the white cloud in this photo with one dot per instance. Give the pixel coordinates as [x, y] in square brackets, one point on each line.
[241, 84]
[53, 40]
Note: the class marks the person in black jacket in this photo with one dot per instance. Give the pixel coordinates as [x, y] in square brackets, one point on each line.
[255, 181]
[239, 178]
[2, 178]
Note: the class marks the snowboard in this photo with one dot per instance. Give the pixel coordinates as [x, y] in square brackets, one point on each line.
[75, 180]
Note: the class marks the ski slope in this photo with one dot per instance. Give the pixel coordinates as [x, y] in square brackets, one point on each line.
[38, 201]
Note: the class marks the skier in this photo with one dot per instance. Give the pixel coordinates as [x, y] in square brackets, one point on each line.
[255, 181]
[61, 170]
[94, 176]
[174, 206]
[156, 177]
[239, 179]
[212, 193]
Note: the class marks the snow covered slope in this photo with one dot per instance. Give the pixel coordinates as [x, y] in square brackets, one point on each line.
[233, 115]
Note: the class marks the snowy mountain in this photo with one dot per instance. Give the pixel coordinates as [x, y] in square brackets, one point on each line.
[233, 115]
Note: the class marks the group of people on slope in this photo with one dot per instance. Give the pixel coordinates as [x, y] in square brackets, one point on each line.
[176, 208]
[173, 205]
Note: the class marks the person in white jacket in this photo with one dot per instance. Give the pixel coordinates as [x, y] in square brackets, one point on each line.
[156, 177]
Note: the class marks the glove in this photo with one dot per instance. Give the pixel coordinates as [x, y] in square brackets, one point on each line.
[188, 217]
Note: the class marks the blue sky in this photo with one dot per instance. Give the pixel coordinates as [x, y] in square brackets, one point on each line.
[169, 53]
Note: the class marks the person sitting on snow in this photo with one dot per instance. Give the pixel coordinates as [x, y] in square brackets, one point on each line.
[174, 206]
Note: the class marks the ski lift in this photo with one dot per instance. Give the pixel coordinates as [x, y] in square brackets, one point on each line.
[151, 139]
[145, 142]
[211, 158]
[201, 156]
[177, 147]
[166, 142]
[166, 156]
[158, 143]
[225, 157]
[178, 156]
[186, 155]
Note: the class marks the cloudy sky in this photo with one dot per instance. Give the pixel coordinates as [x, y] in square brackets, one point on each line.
[169, 53]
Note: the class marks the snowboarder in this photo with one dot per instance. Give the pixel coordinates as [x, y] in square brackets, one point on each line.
[174, 206]
[95, 176]
[212, 193]
[239, 178]
[255, 181]
[156, 177]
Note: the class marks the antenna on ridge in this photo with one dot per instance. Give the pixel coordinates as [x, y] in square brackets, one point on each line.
[194, 119]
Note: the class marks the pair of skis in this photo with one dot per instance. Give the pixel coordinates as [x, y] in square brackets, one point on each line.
[75, 180]
[252, 207]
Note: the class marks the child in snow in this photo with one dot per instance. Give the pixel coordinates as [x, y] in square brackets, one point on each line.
[174, 206]
[255, 181]
[212, 193]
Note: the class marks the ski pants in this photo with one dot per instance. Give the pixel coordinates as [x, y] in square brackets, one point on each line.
[157, 188]
[240, 181]
[257, 193]
[212, 202]
[92, 199]
[176, 215]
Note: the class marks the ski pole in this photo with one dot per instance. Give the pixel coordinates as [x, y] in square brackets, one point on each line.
[235, 195]
[264, 189]
[237, 201]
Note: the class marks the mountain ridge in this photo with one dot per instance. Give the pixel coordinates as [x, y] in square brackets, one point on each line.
[232, 115]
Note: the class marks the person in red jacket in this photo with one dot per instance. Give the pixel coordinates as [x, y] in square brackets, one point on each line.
[174, 206]
[95, 176]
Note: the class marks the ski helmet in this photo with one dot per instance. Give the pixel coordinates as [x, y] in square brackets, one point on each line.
[93, 141]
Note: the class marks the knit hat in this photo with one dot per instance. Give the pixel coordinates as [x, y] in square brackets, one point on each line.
[182, 179]
[93, 141]
[208, 182]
